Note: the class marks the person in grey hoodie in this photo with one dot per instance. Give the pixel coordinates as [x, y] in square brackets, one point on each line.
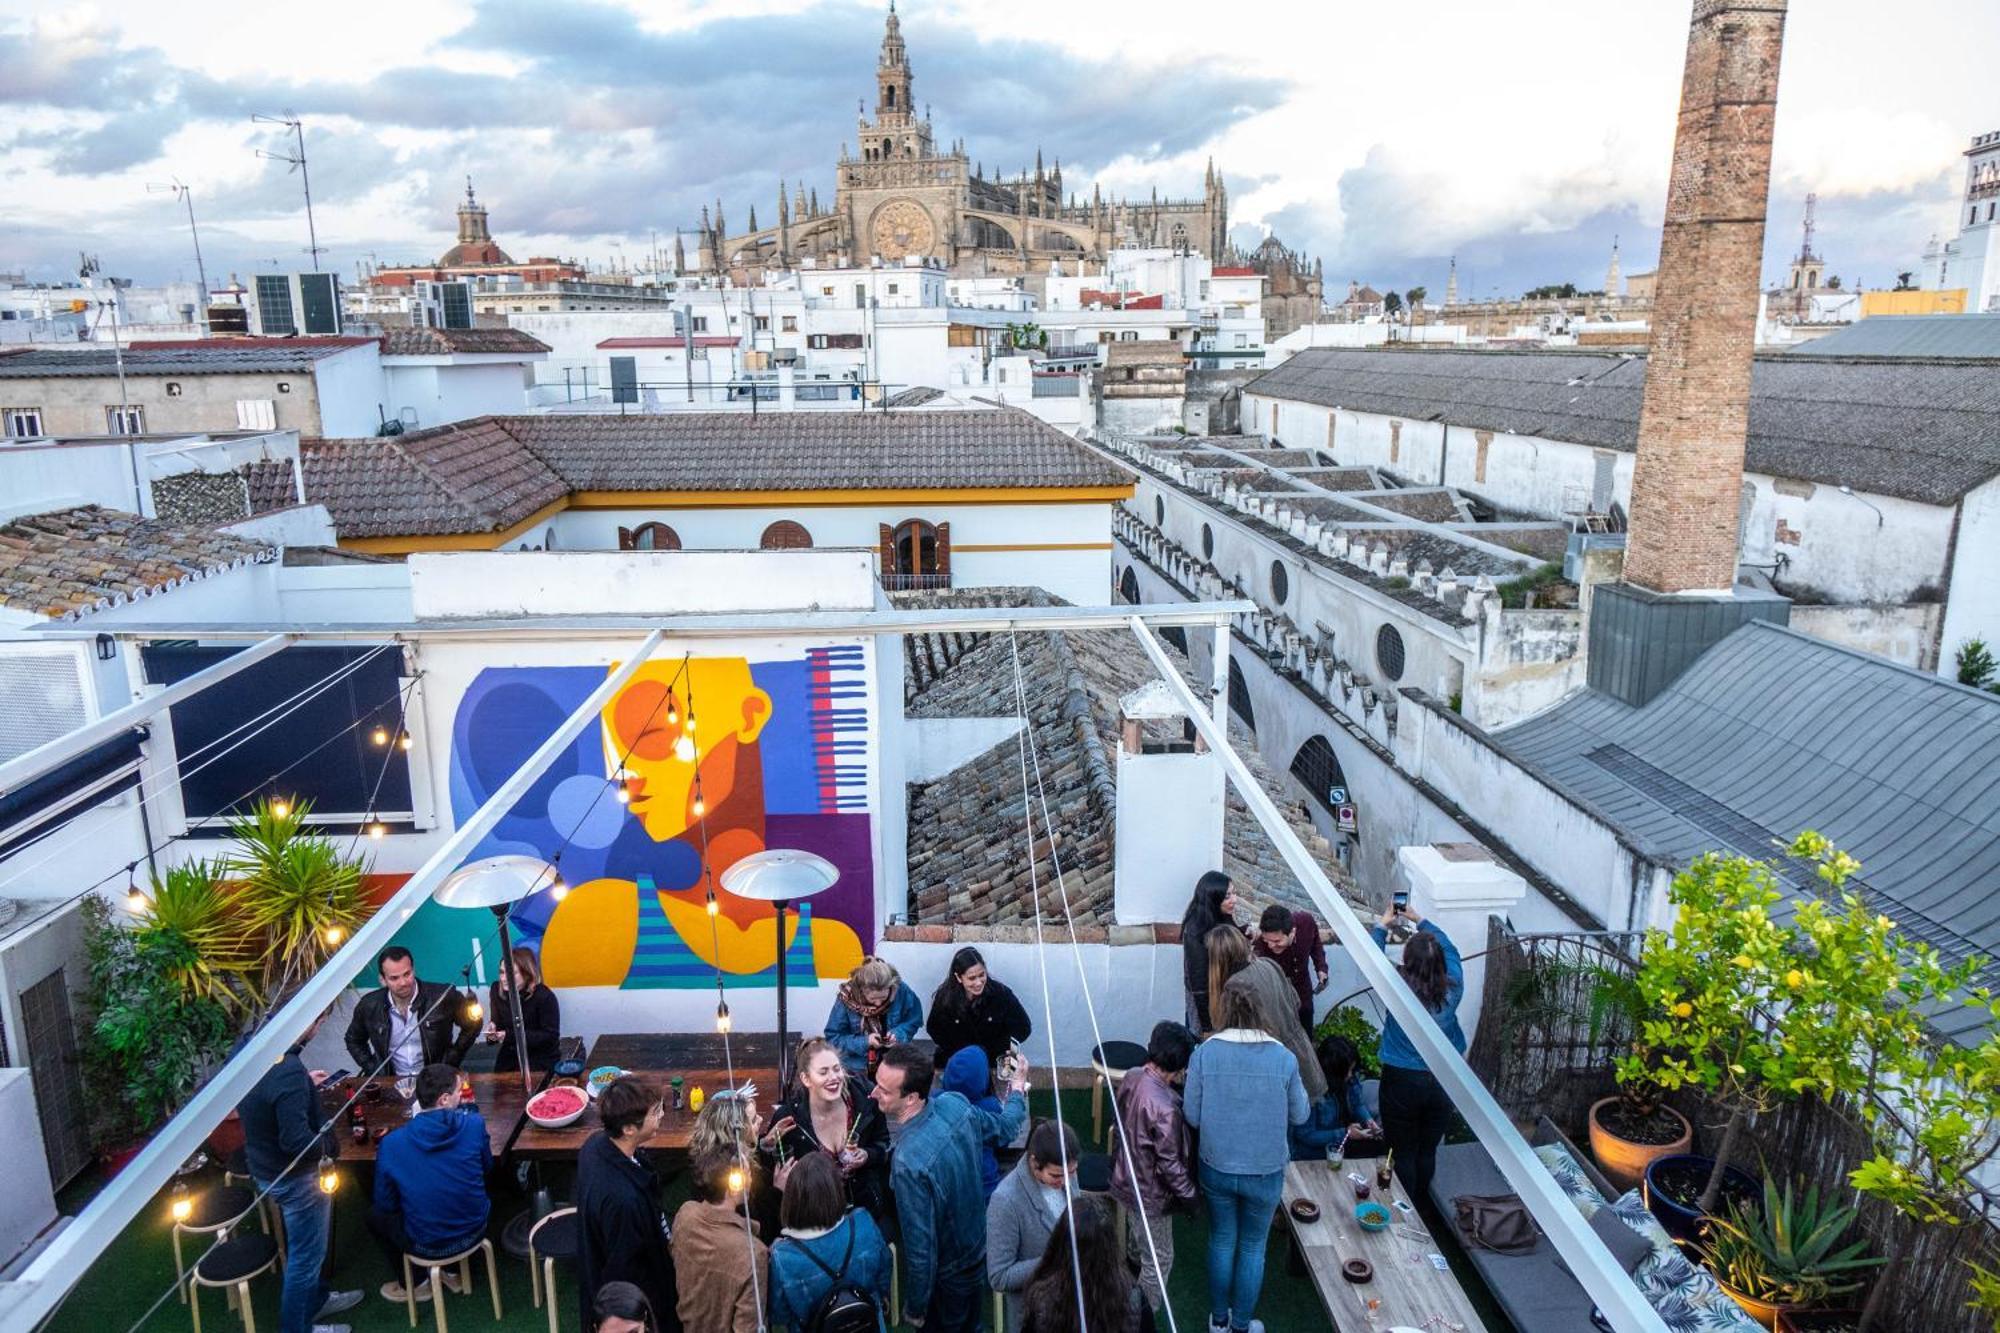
[1024, 1210]
[1244, 1085]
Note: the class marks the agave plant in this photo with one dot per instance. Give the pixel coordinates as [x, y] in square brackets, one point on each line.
[1789, 1250]
[297, 894]
[215, 955]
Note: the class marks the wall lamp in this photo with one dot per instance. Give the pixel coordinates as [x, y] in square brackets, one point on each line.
[1848, 491]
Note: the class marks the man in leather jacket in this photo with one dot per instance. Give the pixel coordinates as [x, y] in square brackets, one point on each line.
[408, 1023]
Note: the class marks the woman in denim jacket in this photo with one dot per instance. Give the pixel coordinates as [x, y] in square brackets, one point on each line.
[823, 1239]
[875, 1009]
[1244, 1085]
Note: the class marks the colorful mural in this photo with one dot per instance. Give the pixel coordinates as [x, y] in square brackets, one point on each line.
[782, 748]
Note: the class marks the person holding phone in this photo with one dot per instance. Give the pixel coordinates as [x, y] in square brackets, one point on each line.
[1416, 1113]
[830, 1112]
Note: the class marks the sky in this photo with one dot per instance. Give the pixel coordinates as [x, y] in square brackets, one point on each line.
[1383, 137]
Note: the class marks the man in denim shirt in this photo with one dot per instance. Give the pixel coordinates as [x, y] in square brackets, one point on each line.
[935, 1178]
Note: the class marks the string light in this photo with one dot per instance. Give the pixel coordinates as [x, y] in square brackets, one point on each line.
[182, 1206]
[700, 806]
[136, 901]
[673, 714]
[280, 808]
[473, 1011]
[722, 1017]
[689, 728]
[380, 735]
[735, 1180]
[408, 741]
[620, 795]
[329, 1178]
[558, 890]
[713, 906]
[684, 748]
[335, 934]
[377, 830]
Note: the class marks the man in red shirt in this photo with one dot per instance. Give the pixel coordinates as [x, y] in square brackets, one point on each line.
[1291, 940]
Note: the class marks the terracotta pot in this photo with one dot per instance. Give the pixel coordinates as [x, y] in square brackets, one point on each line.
[1764, 1312]
[1624, 1162]
[112, 1160]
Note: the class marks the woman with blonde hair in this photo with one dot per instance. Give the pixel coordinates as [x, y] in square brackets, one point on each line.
[831, 1112]
[728, 1125]
[875, 1009]
[1231, 965]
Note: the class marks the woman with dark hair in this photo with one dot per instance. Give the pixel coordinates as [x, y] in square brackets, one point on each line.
[1231, 963]
[1416, 1113]
[1214, 904]
[622, 1308]
[1346, 1115]
[831, 1114]
[971, 1008]
[1093, 1261]
[541, 1015]
[824, 1244]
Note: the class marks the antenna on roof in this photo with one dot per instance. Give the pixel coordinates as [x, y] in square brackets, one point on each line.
[297, 159]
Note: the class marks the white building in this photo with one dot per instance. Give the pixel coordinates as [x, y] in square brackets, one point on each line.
[1971, 260]
[1871, 494]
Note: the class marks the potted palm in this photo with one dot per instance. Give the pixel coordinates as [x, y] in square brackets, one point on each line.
[298, 896]
[1786, 1252]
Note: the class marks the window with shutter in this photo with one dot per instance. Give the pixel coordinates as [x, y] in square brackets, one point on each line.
[256, 414]
[785, 535]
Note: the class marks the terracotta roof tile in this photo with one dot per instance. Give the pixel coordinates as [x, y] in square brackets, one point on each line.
[444, 342]
[469, 477]
[71, 560]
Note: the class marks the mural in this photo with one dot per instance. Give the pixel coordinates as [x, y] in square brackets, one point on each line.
[782, 749]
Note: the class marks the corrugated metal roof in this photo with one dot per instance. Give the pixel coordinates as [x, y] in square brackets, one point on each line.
[1772, 732]
[1921, 430]
[1911, 335]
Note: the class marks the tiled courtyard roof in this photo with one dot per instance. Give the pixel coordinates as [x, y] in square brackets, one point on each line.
[967, 831]
[444, 342]
[486, 474]
[71, 560]
[1918, 429]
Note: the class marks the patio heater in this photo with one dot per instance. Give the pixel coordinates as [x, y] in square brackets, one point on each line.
[782, 876]
[498, 882]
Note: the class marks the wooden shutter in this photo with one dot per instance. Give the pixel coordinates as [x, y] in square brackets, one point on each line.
[944, 552]
[625, 539]
[888, 551]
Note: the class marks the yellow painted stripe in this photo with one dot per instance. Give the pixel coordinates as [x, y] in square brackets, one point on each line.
[455, 541]
[823, 499]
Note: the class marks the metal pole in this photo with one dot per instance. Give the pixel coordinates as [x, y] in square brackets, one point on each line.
[305, 179]
[784, 1054]
[515, 1022]
[200, 272]
[38, 1288]
[1600, 1275]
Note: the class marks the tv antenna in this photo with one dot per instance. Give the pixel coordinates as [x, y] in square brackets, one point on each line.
[297, 160]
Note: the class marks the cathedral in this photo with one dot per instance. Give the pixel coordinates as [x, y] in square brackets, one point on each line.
[898, 196]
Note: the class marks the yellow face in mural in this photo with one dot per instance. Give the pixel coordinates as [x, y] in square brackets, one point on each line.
[673, 729]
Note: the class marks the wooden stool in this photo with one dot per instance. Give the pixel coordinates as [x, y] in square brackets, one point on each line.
[551, 1238]
[1111, 1062]
[230, 1264]
[895, 1287]
[434, 1266]
[215, 1212]
[236, 1171]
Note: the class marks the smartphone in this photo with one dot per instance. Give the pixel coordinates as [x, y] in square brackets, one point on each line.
[336, 1076]
[1400, 901]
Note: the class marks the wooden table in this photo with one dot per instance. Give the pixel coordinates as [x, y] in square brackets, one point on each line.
[502, 1102]
[1411, 1285]
[697, 1059]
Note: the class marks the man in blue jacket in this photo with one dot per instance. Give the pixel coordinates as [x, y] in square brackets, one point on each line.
[284, 1138]
[430, 1180]
[935, 1177]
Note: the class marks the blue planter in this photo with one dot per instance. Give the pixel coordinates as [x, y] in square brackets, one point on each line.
[1681, 1220]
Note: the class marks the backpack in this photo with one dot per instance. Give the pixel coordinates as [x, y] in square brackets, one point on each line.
[842, 1307]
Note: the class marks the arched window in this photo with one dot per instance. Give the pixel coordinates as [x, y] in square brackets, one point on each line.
[1207, 542]
[1318, 770]
[916, 554]
[1159, 511]
[1389, 652]
[649, 537]
[785, 535]
[889, 95]
[1239, 696]
[1128, 586]
[1176, 636]
[1281, 583]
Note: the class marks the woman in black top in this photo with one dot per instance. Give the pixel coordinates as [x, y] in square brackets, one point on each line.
[541, 1014]
[830, 1111]
[1214, 904]
[970, 1008]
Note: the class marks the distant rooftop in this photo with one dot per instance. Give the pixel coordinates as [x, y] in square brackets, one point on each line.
[1911, 335]
[1920, 429]
[205, 357]
[78, 559]
[445, 342]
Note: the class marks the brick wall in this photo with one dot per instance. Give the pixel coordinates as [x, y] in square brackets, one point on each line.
[1688, 477]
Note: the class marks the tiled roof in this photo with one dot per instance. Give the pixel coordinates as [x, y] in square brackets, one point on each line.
[270, 485]
[444, 342]
[1921, 430]
[668, 340]
[262, 356]
[472, 476]
[486, 474]
[1771, 732]
[71, 560]
[967, 828]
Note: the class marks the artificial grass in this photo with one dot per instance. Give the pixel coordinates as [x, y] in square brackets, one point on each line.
[122, 1290]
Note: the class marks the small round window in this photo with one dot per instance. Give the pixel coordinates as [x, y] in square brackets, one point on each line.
[1389, 652]
[1281, 583]
[1207, 542]
[1159, 511]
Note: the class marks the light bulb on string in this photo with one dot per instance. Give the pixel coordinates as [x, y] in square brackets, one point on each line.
[700, 806]
[136, 901]
[684, 748]
[329, 1178]
[377, 829]
[407, 741]
[474, 1011]
[735, 1180]
[182, 1207]
[722, 1018]
[713, 906]
[689, 727]
[335, 934]
[380, 735]
[280, 807]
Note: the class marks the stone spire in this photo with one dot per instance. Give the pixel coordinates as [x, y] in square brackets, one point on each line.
[798, 201]
[753, 212]
[680, 254]
[721, 228]
[472, 229]
[892, 73]
[1611, 273]
[1451, 283]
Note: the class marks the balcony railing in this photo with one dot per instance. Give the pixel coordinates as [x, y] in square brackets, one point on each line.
[915, 582]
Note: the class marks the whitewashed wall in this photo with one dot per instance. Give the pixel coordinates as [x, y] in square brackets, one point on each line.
[1973, 610]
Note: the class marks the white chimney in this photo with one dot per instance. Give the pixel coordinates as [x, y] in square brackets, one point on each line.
[1169, 819]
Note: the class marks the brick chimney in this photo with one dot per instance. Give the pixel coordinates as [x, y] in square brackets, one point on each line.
[1688, 478]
